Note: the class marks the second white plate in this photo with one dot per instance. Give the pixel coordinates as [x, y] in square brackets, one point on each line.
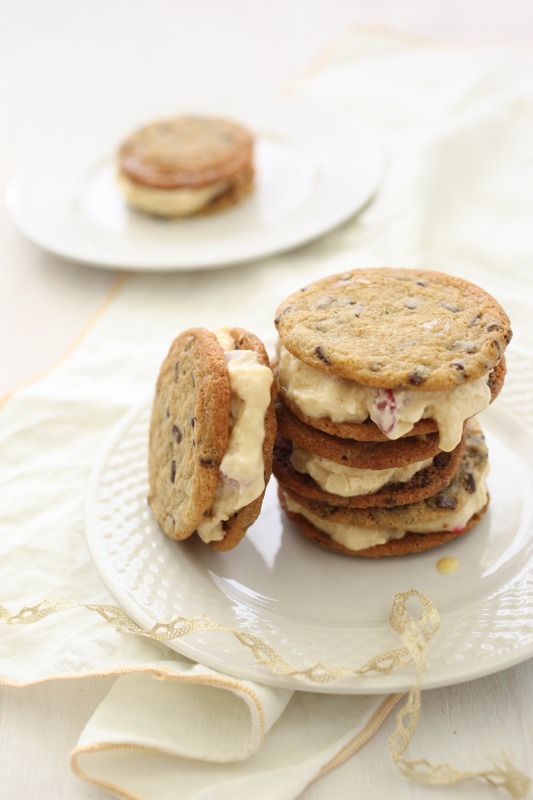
[315, 168]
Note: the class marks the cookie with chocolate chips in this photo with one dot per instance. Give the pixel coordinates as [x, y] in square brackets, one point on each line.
[395, 328]
[193, 417]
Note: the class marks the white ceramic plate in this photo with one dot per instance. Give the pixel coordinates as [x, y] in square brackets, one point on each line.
[315, 169]
[312, 606]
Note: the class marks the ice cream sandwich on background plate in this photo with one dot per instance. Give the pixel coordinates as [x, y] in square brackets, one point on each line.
[212, 433]
[186, 165]
[380, 374]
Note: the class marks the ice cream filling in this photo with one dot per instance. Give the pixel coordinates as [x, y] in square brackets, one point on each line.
[172, 202]
[242, 477]
[395, 412]
[358, 538]
[348, 481]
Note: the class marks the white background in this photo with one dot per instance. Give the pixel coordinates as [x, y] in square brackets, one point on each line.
[70, 65]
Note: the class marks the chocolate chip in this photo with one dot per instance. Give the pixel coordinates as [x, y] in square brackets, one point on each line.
[475, 319]
[206, 462]
[422, 478]
[470, 483]
[411, 303]
[173, 472]
[176, 433]
[446, 501]
[321, 355]
[441, 459]
[324, 325]
[327, 511]
[176, 371]
[282, 314]
[345, 300]
[420, 374]
[458, 365]
[468, 347]
[324, 302]
[493, 327]
[450, 306]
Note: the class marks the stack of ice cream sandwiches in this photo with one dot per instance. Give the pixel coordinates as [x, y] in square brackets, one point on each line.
[368, 421]
[381, 373]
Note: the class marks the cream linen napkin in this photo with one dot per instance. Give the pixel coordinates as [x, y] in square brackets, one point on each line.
[456, 128]
[157, 740]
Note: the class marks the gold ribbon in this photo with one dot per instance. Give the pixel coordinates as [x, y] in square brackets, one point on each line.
[415, 634]
[263, 653]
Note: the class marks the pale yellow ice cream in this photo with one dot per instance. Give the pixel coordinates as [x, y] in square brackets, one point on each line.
[358, 538]
[348, 481]
[242, 468]
[169, 202]
[318, 394]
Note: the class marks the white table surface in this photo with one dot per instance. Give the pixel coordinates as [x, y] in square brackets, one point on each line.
[63, 64]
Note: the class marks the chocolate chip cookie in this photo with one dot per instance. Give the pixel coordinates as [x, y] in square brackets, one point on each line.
[197, 410]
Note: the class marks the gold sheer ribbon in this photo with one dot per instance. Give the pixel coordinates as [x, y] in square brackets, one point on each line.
[415, 633]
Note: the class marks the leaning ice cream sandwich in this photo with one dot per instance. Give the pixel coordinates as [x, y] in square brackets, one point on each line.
[212, 431]
[380, 371]
[186, 165]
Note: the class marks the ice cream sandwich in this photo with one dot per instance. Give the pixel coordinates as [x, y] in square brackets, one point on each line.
[212, 432]
[186, 165]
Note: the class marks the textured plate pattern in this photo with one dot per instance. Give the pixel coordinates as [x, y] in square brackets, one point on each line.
[314, 607]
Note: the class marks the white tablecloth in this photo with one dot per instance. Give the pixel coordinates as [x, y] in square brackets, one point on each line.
[455, 125]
